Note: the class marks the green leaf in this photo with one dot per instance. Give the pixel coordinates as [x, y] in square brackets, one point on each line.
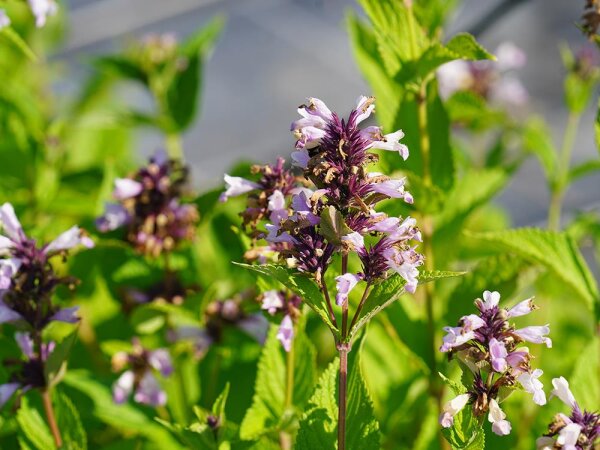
[387, 292]
[56, 365]
[471, 110]
[268, 411]
[33, 427]
[332, 225]
[579, 91]
[10, 34]
[456, 386]
[537, 139]
[203, 41]
[69, 423]
[464, 46]
[399, 38]
[584, 169]
[473, 190]
[555, 251]
[585, 380]
[318, 427]
[301, 285]
[122, 67]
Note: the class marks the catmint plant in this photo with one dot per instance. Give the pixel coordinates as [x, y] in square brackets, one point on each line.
[328, 210]
[27, 285]
[578, 431]
[489, 346]
[140, 378]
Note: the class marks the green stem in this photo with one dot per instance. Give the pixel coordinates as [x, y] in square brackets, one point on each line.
[47, 401]
[174, 146]
[427, 230]
[560, 181]
[289, 391]
[343, 349]
[329, 306]
[360, 306]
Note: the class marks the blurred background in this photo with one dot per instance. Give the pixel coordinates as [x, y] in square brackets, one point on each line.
[274, 53]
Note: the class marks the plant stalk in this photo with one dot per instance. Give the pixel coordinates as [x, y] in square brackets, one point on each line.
[174, 146]
[560, 181]
[343, 349]
[289, 387]
[427, 229]
[48, 408]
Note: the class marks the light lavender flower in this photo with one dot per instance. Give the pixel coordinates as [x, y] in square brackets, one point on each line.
[42, 9]
[4, 22]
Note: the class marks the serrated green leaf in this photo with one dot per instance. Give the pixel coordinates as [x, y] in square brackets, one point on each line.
[33, 427]
[398, 36]
[318, 427]
[56, 364]
[301, 285]
[466, 433]
[585, 380]
[456, 386]
[218, 408]
[72, 430]
[387, 292]
[268, 411]
[472, 111]
[555, 251]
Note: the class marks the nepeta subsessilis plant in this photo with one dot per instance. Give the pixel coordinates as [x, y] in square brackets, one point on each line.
[578, 431]
[27, 286]
[490, 347]
[149, 206]
[328, 210]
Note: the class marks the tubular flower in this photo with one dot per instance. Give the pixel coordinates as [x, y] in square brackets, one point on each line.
[27, 279]
[150, 207]
[140, 376]
[490, 346]
[283, 303]
[578, 431]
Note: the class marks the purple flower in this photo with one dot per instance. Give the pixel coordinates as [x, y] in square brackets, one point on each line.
[272, 301]
[29, 373]
[41, 9]
[285, 333]
[535, 334]
[563, 392]
[497, 417]
[532, 384]
[149, 207]
[344, 284]
[452, 408]
[115, 216]
[140, 378]
[27, 279]
[127, 188]
[521, 309]
[4, 22]
[391, 142]
[236, 186]
[405, 263]
[498, 355]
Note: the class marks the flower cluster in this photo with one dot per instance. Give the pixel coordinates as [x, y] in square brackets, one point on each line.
[490, 346]
[285, 303]
[492, 80]
[330, 206]
[27, 279]
[140, 378]
[149, 206]
[29, 373]
[579, 431]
